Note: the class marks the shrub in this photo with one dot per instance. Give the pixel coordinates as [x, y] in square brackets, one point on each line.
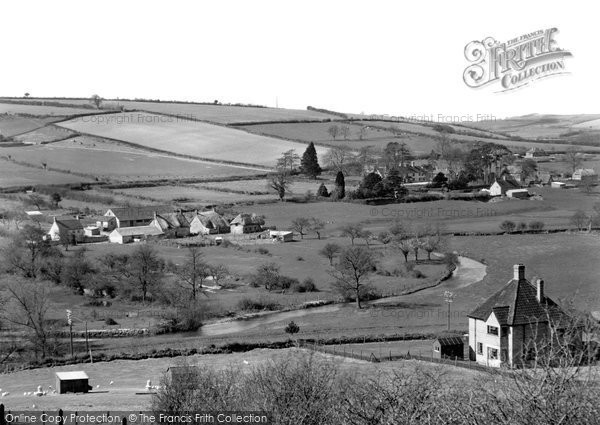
[110, 321]
[263, 251]
[536, 225]
[308, 285]
[521, 226]
[300, 258]
[292, 328]
[507, 226]
[249, 304]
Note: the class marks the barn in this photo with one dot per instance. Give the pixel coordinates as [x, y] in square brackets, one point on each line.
[72, 382]
[452, 346]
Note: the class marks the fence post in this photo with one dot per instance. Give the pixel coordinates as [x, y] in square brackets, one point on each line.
[2, 421]
[124, 421]
[60, 417]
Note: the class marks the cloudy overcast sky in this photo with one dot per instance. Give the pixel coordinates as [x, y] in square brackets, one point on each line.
[397, 58]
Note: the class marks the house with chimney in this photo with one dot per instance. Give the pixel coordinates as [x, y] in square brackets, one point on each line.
[502, 185]
[66, 230]
[207, 223]
[172, 225]
[505, 327]
[246, 223]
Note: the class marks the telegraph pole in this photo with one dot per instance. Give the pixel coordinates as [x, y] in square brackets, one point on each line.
[449, 297]
[70, 322]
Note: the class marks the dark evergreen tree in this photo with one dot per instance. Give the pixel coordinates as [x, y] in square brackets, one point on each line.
[340, 185]
[310, 163]
[322, 191]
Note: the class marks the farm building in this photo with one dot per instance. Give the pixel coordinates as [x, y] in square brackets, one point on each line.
[72, 382]
[535, 153]
[173, 225]
[281, 235]
[517, 193]
[502, 185]
[557, 185]
[207, 223]
[66, 229]
[585, 175]
[246, 223]
[136, 216]
[124, 235]
[452, 347]
[503, 328]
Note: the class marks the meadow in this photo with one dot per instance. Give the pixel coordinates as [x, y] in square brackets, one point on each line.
[111, 162]
[46, 111]
[129, 377]
[47, 134]
[184, 137]
[223, 114]
[196, 194]
[12, 174]
[11, 125]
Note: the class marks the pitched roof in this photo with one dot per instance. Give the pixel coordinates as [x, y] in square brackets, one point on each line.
[67, 376]
[516, 304]
[247, 219]
[507, 184]
[171, 221]
[139, 213]
[450, 340]
[138, 231]
[68, 223]
[209, 219]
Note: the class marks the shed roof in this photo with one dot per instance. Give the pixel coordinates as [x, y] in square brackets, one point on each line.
[139, 213]
[450, 340]
[138, 231]
[70, 376]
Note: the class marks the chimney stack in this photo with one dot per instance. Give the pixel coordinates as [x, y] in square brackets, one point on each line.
[519, 272]
[540, 290]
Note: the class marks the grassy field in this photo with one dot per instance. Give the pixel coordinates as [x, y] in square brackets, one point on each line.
[536, 125]
[11, 125]
[114, 162]
[215, 113]
[130, 378]
[45, 134]
[187, 137]
[555, 210]
[57, 111]
[12, 174]
[193, 194]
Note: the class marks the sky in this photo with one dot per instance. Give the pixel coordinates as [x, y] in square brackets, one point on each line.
[402, 58]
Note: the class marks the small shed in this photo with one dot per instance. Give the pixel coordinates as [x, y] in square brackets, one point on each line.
[72, 382]
[452, 346]
[517, 193]
[557, 185]
[281, 235]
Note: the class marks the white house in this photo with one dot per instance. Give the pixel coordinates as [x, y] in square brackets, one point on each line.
[502, 185]
[503, 328]
[246, 223]
[585, 175]
[207, 223]
[67, 229]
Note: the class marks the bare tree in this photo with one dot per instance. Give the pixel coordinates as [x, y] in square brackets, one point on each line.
[26, 306]
[330, 251]
[144, 269]
[301, 225]
[280, 183]
[345, 131]
[574, 158]
[355, 265]
[288, 161]
[219, 272]
[96, 101]
[317, 225]
[580, 219]
[339, 159]
[192, 273]
[25, 251]
[333, 131]
[353, 231]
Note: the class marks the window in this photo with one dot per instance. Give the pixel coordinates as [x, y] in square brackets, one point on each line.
[492, 353]
[479, 348]
[492, 330]
[436, 349]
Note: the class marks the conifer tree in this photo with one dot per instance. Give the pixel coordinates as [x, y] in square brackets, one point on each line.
[310, 163]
